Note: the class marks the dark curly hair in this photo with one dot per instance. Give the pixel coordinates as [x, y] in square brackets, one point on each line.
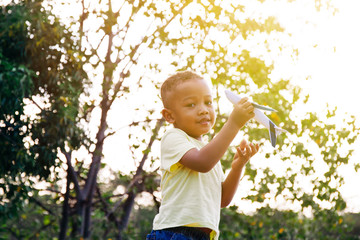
[174, 80]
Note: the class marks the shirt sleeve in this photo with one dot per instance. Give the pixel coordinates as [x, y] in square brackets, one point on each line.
[174, 145]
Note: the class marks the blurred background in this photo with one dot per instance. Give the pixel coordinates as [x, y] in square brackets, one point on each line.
[80, 118]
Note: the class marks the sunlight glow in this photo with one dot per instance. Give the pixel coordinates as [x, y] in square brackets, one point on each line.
[325, 64]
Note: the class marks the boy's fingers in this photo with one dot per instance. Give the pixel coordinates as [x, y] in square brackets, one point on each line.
[245, 149]
[249, 109]
[253, 149]
[239, 152]
[248, 150]
[253, 146]
[243, 144]
[243, 100]
[247, 104]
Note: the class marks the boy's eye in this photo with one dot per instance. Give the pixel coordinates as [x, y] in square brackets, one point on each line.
[191, 105]
[208, 103]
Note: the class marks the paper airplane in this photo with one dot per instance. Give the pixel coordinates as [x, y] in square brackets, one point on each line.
[260, 117]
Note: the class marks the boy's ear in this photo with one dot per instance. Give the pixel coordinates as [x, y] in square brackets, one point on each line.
[167, 114]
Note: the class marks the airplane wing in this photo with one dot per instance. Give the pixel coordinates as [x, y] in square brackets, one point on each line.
[234, 98]
[260, 117]
[272, 133]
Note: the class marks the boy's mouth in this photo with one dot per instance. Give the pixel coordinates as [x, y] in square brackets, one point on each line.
[204, 121]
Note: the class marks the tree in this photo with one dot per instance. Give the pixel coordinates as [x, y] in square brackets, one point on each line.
[196, 44]
[38, 65]
[124, 55]
[12, 135]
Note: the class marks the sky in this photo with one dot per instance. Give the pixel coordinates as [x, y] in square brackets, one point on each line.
[333, 64]
[326, 68]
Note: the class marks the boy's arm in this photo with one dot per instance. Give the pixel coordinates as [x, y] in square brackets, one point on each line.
[206, 158]
[229, 186]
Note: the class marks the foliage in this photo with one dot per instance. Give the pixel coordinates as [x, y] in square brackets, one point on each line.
[12, 134]
[38, 220]
[37, 66]
[269, 223]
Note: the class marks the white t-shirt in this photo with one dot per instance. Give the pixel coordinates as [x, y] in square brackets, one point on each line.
[189, 198]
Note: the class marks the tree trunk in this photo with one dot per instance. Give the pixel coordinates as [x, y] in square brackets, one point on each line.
[65, 210]
[127, 208]
[132, 193]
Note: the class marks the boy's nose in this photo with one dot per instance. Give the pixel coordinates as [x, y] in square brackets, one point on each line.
[203, 110]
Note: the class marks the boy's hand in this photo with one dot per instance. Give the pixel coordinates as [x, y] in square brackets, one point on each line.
[243, 154]
[243, 112]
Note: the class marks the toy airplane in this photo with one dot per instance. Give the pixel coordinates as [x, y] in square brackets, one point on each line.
[260, 117]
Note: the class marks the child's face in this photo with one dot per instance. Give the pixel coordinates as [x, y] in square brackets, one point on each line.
[191, 108]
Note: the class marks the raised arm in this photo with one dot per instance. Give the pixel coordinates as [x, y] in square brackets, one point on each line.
[242, 156]
[206, 158]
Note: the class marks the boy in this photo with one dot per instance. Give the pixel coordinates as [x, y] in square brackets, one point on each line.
[193, 184]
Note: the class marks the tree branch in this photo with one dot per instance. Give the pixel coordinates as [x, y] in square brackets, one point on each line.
[135, 123]
[152, 139]
[43, 227]
[42, 206]
[109, 215]
[136, 182]
[73, 175]
[65, 211]
[32, 99]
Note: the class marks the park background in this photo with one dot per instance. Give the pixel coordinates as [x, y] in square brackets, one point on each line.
[80, 113]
